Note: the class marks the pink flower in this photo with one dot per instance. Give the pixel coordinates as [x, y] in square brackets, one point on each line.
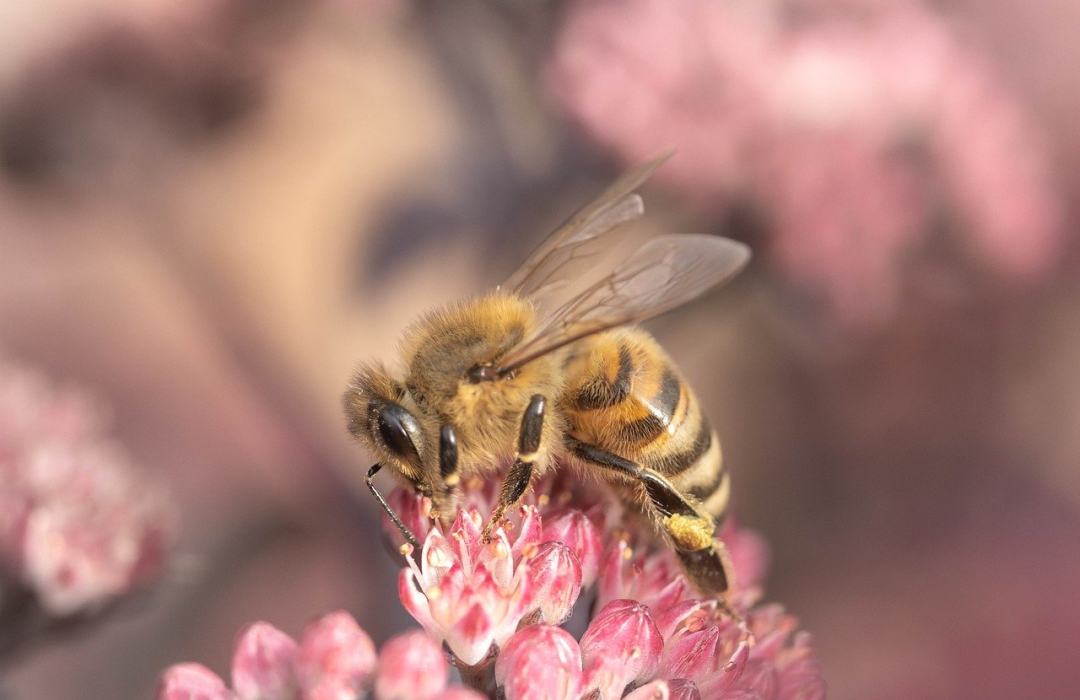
[853, 135]
[468, 593]
[334, 660]
[79, 526]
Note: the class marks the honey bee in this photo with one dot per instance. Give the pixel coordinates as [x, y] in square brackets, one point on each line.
[514, 377]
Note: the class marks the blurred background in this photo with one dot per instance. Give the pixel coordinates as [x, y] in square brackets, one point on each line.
[211, 210]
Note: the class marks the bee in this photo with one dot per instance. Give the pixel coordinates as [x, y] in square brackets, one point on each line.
[517, 377]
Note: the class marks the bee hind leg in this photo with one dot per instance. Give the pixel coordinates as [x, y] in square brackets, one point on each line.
[703, 557]
[520, 473]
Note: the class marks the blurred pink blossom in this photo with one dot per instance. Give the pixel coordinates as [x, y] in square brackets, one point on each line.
[79, 526]
[334, 660]
[855, 132]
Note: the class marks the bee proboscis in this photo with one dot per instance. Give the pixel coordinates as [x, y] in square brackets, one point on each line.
[512, 377]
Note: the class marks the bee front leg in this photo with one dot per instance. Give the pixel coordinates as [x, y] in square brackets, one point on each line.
[451, 479]
[703, 557]
[520, 474]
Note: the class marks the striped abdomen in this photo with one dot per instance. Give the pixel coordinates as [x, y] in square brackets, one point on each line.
[624, 395]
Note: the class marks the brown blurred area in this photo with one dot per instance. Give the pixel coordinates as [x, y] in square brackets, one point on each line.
[211, 211]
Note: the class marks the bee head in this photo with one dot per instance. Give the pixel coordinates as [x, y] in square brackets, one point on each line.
[376, 407]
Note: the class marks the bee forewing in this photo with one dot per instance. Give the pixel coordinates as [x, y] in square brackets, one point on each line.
[664, 273]
[549, 264]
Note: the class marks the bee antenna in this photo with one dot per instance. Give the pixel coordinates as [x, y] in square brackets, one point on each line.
[405, 532]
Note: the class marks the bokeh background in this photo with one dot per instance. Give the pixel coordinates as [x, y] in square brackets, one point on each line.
[210, 210]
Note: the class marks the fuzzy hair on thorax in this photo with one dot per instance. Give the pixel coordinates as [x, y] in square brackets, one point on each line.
[439, 350]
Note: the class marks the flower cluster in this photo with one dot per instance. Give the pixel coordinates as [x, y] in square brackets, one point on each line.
[501, 609]
[79, 527]
[853, 130]
[498, 607]
[333, 660]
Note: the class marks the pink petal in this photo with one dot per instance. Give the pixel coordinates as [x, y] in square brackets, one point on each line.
[692, 655]
[728, 675]
[683, 689]
[540, 662]
[470, 638]
[465, 536]
[436, 557]
[335, 657]
[412, 666]
[262, 665]
[191, 682]
[529, 532]
[414, 600]
[749, 554]
[612, 582]
[554, 581]
[497, 557]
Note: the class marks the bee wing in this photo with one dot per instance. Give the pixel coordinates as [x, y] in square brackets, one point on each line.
[550, 266]
[664, 273]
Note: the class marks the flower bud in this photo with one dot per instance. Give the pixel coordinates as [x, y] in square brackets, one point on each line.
[657, 690]
[412, 666]
[262, 665]
[554, 581]
[574, 529]
[335, 658]
[191, 682]
[622, 645]
[541, 662]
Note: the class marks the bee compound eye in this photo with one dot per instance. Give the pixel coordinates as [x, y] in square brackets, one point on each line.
[400, 432]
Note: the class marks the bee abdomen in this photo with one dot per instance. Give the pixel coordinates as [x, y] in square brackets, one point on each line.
[699, 471]
[626, 397]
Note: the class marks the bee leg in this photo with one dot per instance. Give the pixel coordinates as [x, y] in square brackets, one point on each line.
[405, 532]
[448, 458]
[703, 557]
[520, 474]
[451, 479]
